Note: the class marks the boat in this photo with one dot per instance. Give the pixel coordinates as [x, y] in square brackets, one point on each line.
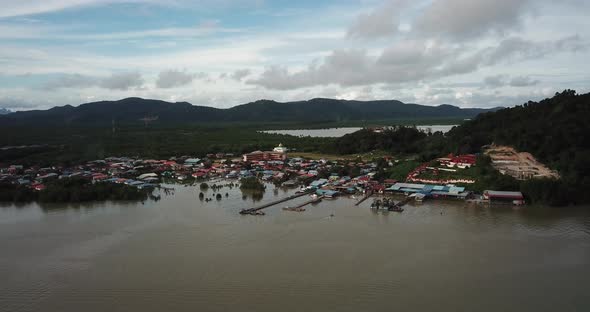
[252, 212]
[296, 209]
[302, 190]
[396, 209]
[419, 197]
[376, 204]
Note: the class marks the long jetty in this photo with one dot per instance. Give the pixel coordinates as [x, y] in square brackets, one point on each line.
[367, 195]
[398, 206]
[313, 200]
[404, 202]
[257, 210]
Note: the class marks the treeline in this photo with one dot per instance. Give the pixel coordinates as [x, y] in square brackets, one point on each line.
[16, 193]
[71, 190]
[67, 146]
[554, 130]
[395, 140]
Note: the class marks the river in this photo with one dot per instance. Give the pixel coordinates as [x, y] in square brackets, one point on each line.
[182, 254]
[338, 132]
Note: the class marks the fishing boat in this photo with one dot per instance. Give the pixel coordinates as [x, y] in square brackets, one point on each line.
[396, 209]
[376, 204]
[296, 209]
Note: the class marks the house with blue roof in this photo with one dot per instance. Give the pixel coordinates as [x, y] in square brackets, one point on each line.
[318, 183]
[429, 190]
[327, 193]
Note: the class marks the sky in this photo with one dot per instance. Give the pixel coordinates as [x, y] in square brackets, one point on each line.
[222, 53]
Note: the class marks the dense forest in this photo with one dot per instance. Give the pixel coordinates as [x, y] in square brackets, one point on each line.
[71, 145]
[555, 130]
[399, 140]
[71, 190]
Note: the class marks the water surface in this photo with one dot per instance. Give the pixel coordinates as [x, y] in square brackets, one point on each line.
[181, 254]
[338, 132]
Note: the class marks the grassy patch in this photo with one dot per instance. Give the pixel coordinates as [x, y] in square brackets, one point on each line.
[468, 173]
[400, 170]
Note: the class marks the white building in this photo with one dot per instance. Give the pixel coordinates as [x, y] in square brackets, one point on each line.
[280, 149]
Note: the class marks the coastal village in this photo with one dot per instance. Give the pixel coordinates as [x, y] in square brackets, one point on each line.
[440, 178]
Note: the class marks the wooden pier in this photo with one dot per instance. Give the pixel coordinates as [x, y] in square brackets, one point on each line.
[300, 208]
[390, 205]
[398, 206]
[367, 195]
[405, 201]
[257, 210]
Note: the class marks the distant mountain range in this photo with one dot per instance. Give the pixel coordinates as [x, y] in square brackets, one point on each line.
[136, 110]
[4, 111]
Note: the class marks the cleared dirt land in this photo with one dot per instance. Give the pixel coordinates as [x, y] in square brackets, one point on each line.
[520, 165]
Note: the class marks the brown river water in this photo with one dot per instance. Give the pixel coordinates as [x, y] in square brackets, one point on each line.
[181, 254]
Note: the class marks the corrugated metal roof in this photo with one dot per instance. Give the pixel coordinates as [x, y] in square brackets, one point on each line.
[456, 189]
[427, 188]
[504, 194]
[409, 185]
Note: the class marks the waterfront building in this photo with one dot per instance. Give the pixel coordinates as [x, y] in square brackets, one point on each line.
[192, 161]
[280, 149]
[264, 156]
[430, 190]
[459, 161]
[507, 197]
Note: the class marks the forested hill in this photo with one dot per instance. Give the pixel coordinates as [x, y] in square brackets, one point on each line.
[133, 110]
[4, 111]
[555, 130]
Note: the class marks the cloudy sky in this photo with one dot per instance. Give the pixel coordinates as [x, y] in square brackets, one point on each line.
[470, 53]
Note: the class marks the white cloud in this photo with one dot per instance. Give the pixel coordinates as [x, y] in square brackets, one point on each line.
[462, 19]
[495, 81]
[122, 81]
[410, 61]
[116, 81]
[71, 81]
[12, 8]
[173, 78]
[240, 74]
[29, 7]
[16, 104]
[381, 22]
[523, 81]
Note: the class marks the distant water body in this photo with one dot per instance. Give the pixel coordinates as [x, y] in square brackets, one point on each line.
[338, 132]
[183, 254]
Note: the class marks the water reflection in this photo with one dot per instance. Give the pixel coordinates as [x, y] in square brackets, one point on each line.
[339, 132]
[255, 195]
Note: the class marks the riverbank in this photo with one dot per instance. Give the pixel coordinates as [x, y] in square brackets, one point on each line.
[124, 178]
